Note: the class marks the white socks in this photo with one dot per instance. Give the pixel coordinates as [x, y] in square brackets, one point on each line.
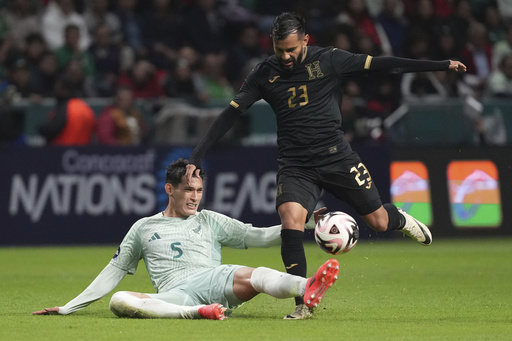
[264, 280]
[124, 304]
[277, 284]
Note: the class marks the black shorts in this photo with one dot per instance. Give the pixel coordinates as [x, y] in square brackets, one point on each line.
[346, 179]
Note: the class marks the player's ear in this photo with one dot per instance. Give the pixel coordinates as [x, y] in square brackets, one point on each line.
[306, 39]
[168, 188]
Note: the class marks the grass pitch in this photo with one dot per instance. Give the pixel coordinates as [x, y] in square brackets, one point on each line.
[388, 290]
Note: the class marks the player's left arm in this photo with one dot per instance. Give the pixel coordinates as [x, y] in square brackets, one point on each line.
[269, 236]
[263, 236]
[403, 65]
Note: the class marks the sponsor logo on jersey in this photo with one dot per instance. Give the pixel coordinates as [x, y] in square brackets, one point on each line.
[155, 236]
[272, 80]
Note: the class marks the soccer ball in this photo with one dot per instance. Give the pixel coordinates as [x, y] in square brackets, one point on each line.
[336, 233]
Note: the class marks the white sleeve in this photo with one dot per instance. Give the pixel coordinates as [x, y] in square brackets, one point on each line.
[104, 283]
[263, 236]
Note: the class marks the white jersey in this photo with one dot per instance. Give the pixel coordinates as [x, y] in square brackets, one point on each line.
[176, 248]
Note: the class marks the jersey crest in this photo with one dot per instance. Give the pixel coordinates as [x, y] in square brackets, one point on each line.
[314, 70]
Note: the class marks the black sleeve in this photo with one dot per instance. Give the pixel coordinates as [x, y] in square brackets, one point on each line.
[403, 65]
[220, 126]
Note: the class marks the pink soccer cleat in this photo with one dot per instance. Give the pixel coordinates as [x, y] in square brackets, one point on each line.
[323, 279]
[213, 311]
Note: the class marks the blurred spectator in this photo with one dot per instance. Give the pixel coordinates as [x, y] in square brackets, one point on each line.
[21, 19]
[494, 24]
[358, 16]
[394, 25]
[44, 75]
[424, 24]
[417, 45]
[268, 9]
[214, 79]
[376, 6]
[192, 57]
[57, 15]
[121, 123]
[8, 53]
[343, 38]
[245, 52]
[72, 122]
[459, 22]
[383, 97]
[442, 8]
[162, 32]
[451, 82]
[505, 9]
[97, 13]
[19, 77]
[144, 80]
[366, 45]
[424, 85]
[502, 47]
[182, 82]
[11, 120]
[205, 27]
[477, 53]
[80, 85]
[131, 26]
[71, 50]
[34, 49]
[500, 81]
[106, 57]
[447, 47]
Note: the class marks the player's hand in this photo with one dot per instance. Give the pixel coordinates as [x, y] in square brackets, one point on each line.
[47, 311]
[318, 214]
[191, 171]
[457, 66]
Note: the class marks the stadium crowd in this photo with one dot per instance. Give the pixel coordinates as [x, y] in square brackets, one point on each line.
[201, 50]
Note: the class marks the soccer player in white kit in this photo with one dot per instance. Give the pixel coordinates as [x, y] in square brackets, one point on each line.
[181, 248]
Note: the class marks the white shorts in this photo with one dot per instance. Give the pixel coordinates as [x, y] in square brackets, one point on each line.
[207, 287]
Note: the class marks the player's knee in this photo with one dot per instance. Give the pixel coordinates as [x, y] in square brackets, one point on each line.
[120, 304]
[377, 222]
[380, 226]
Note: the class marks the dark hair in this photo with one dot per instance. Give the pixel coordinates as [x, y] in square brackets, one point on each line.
[288, 23]
[176, 170]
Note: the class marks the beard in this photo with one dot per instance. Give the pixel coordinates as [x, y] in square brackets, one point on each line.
[294, 65]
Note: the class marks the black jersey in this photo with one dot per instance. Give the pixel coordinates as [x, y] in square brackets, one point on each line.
[306, 102]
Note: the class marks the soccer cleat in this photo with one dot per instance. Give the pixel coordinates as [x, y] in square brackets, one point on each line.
[323, 279]
[301, 313]
[415, 229]
[213, 311]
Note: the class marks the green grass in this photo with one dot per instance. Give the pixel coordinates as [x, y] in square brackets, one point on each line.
[388, 290]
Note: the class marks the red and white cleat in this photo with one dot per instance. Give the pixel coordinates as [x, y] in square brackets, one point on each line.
[213, 311]
[323, 279]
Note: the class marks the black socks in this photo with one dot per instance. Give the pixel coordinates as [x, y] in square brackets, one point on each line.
[396, 219]
[292, 253]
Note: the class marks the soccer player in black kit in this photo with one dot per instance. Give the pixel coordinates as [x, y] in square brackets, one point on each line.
[303, 85]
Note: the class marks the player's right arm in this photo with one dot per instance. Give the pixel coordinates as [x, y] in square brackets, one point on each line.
[248, 94]
[220, 126]
[104, 283]
[124, 261]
